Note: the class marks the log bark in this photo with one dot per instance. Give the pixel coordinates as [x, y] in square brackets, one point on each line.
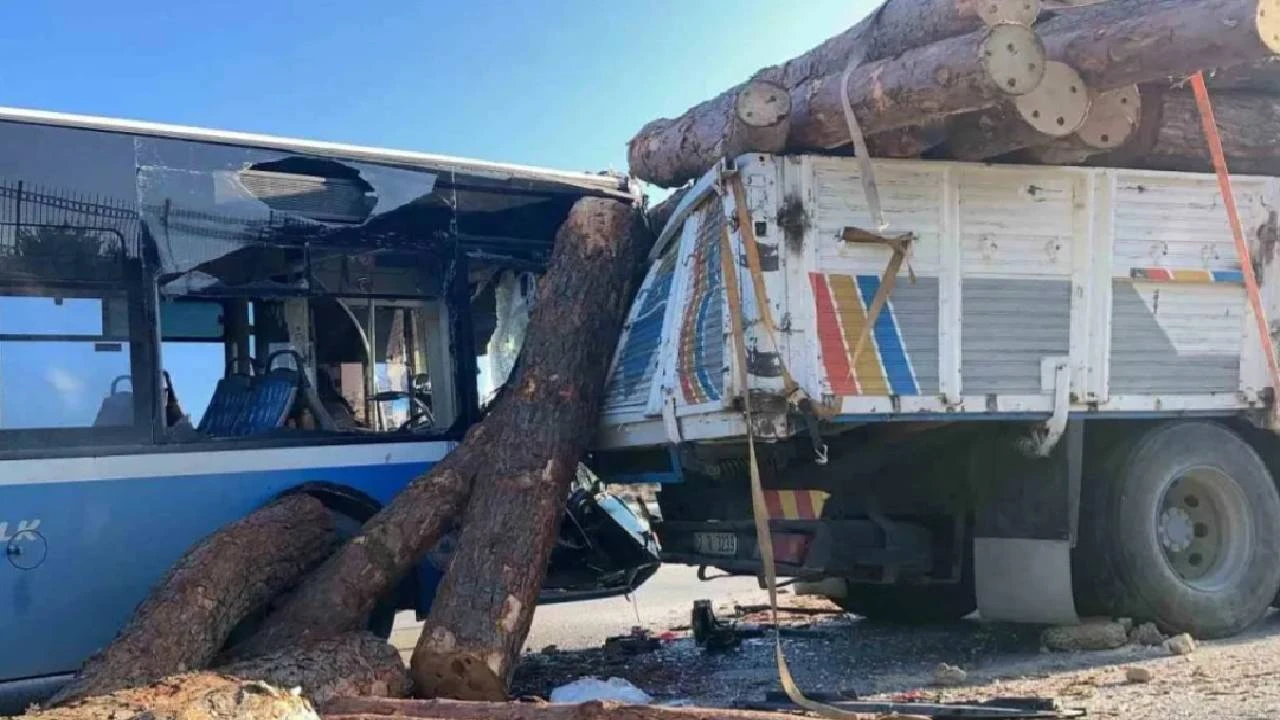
[672, 151]
[481, 614]
[360, 708]
[1124, 42]
[259, 689]
[1074, 150]
[338, 596]
[1249, 125]
[755, 118]
[188, 616]
[953, 76]
[1260, 76]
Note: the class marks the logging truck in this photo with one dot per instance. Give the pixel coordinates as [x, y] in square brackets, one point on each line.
[195, 322]
[1038, 392]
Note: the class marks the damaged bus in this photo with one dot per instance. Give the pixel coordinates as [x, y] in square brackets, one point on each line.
[193, 323]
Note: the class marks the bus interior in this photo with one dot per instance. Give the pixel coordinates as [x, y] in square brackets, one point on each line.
[169, 291]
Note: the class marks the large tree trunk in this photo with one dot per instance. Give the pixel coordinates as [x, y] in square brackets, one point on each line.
[672, 151]
[482, 612]
[257, 689]
[1124, 42]
[340, 594]
[1056, 108]
[754, 118]
[188, 616]
[359, 708]
[1103, 148]
[1248, 124]
[966, 73]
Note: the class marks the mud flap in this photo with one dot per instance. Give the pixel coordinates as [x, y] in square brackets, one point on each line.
[1025, 529]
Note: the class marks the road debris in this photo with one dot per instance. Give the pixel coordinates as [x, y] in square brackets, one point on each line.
[587, 689]
[1147, 634]
[1089, 635]
[635, 642]
[1138, 675]
[1182, 644]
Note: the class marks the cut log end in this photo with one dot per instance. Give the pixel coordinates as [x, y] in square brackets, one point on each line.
[1014, 58]
[1268, 22]
[1059, 104]
[1112, 118]
[1022, 12]
[762, 104]
[460, 676]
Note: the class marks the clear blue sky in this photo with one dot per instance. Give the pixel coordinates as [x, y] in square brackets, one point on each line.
[557, 83]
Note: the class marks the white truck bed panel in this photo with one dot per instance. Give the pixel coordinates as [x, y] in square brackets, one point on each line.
[1129, 277]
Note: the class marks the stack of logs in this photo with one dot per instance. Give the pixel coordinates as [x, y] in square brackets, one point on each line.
[1030, 81]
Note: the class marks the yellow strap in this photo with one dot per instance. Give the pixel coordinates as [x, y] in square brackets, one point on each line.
[759, 510]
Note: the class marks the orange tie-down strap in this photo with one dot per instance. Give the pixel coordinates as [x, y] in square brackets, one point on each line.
[1214, 141]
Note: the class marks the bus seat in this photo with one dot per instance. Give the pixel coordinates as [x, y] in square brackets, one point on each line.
[229, 404]
[272, 400]
[117, 407]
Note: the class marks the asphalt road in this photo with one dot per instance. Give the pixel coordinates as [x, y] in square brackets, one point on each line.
[663, 601]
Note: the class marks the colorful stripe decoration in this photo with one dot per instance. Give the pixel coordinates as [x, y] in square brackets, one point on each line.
[1159, 274]
[795, 504]
[884, 365]
[700, 383]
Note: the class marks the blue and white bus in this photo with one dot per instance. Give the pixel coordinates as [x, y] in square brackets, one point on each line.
[194, 322]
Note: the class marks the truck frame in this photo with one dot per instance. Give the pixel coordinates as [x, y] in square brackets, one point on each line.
[1038, 392]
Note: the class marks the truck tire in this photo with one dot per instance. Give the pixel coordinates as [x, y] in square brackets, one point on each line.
[910, 604]
[1180, 525]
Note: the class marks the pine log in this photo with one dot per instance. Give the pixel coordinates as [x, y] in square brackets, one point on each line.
[1124, 42]
[567, 326]
[1056, 108]
[1260, 76]
[754, 118]
[966, 73]
[373, 708]
[671, 151]
[258, 689]
[482, 612]
[187, 617]
[1139, 137]
[1249, 125]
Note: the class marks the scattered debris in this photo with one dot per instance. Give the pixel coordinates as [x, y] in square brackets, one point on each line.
[588, 689]
[1182, 644]
[1091, 635]
[1138, 676]
[949, 675]
[635, 642]
[1147, 634]
[710, 633]
[550, 650]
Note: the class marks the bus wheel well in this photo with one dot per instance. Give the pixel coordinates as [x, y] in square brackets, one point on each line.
[359, 506]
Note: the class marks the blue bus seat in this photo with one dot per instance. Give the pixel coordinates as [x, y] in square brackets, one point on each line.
[230, 402]
[272, 400]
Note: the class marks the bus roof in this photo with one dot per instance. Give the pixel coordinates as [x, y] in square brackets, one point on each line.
[606, 184]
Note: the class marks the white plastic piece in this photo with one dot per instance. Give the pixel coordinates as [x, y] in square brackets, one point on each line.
[1014, 58]
[1113, 117]
[994, 12]
[588, 689]
[1059, 104]
[513, 299]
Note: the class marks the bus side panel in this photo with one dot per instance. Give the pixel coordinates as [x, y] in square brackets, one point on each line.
[110, 527]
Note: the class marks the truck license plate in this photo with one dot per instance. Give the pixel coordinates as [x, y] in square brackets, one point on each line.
[715, 543]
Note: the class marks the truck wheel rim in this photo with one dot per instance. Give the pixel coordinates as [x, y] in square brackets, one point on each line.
[1203, 528]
